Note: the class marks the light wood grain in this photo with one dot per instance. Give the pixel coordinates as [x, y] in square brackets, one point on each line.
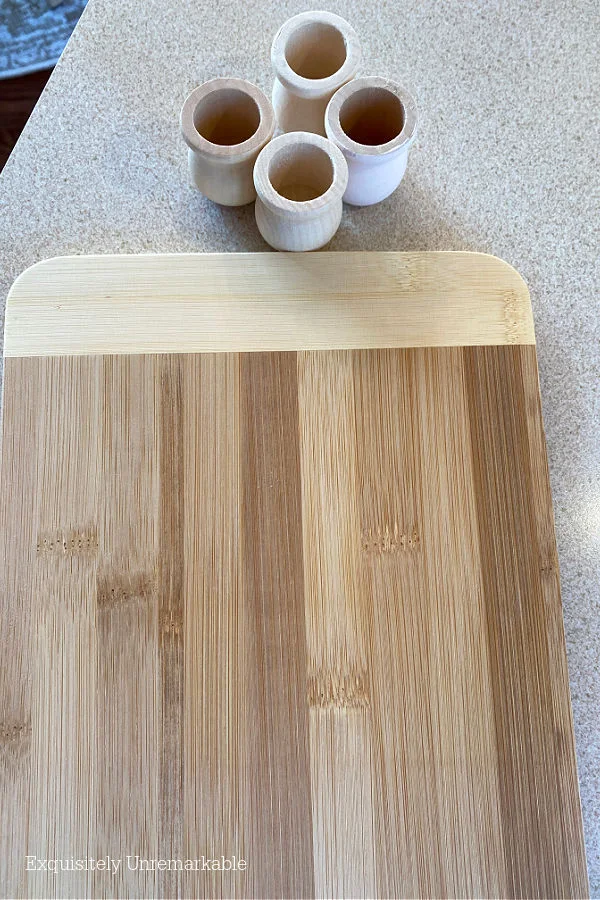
[409, 839]
[300, 608]
[520, 577]
[338, 627]
[214, 640]
[260, 301]
[128, 599]
[18, 516]
[63, 598]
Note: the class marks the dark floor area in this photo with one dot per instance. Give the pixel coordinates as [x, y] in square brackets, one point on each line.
[18, 96]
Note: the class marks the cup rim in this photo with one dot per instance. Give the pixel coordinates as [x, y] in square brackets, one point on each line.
[235, 152]
[336, 133]
[311, 88]
[281, 205]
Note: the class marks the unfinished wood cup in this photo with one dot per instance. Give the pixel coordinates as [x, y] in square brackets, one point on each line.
[374, 123]
[300, 179]
[225, 123]
[313, 55]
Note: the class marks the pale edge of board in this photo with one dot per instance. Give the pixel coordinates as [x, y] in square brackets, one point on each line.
[228, 302]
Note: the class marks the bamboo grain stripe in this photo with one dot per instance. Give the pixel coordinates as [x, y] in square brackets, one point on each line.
[231, 302]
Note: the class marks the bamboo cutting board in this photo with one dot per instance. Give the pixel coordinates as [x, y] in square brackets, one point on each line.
[279, 583]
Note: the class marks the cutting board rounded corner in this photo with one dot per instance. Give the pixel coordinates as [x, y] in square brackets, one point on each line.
[507, 272]
[30, 276]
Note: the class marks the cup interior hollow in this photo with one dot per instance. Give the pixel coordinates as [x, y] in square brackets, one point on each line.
[372, 116]
[316, 50]
[227, 117]
[301, 172]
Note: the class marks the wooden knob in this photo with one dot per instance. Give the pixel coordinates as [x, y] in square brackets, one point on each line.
[312, 55]
[374, 123]
[225, 123]
[300, 179]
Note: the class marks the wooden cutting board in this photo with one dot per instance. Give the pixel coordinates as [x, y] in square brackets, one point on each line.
[279, 583]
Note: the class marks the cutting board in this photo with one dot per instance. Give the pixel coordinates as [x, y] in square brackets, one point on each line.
[279, 583]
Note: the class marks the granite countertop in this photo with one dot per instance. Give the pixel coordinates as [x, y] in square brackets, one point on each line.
[505, 162]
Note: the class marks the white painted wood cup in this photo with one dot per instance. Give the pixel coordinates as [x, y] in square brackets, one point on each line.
[374, 123]
[313, 54]
[225, 123]
[300, 179]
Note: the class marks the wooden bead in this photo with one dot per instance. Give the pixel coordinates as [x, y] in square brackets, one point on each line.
[300, 179]
[312, 55]
[225, 123]
[374, 123]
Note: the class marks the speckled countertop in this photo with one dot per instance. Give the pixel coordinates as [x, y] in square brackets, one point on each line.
[505, 162]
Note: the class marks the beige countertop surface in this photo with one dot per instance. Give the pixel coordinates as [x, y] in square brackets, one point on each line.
[506, 162]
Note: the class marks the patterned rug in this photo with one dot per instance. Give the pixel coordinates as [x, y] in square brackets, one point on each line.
[33, 33]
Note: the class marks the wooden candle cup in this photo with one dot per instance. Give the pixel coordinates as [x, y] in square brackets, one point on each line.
[225, 123]
[313, 54]
[373, 121]
[300, 179]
